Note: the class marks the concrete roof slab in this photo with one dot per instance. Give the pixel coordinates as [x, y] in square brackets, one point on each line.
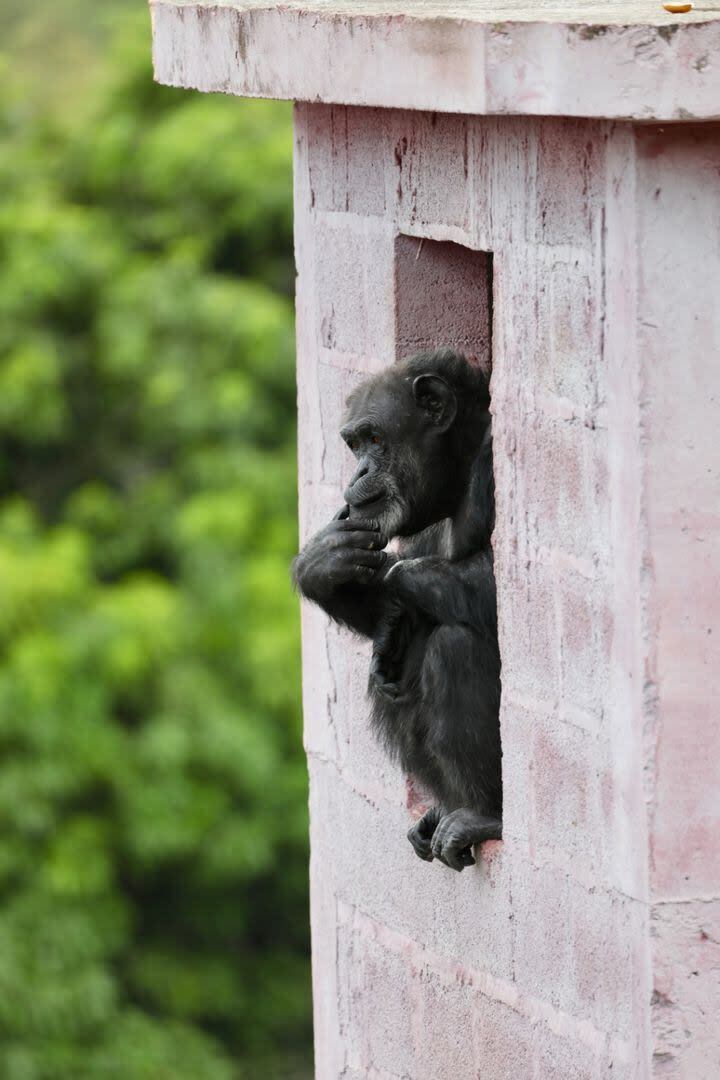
[619, 61]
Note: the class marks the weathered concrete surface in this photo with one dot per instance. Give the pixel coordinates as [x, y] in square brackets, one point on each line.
[609, 60]
[586, 945]
[460, 283]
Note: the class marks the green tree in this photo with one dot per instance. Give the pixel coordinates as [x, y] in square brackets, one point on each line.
[153, 907]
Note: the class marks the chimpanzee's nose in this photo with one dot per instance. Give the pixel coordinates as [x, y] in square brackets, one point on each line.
[357, 488]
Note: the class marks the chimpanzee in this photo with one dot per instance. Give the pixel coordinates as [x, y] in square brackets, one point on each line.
[421, 434]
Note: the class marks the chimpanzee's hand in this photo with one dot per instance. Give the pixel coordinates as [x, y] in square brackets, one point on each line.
[344, 552]
[403, 576]
[392, 635]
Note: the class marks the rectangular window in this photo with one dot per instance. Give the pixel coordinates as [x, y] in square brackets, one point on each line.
[443, 297]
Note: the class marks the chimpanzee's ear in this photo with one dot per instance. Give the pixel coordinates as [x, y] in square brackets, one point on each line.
[436, 399]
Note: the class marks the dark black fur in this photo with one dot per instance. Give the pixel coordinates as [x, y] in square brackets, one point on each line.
[421, 434]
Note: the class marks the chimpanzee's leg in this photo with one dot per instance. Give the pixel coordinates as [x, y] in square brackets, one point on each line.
[461, 697]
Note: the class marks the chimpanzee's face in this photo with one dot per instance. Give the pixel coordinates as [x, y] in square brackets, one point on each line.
[394, 426]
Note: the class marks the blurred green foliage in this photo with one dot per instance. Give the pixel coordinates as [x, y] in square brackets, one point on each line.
[153, 893]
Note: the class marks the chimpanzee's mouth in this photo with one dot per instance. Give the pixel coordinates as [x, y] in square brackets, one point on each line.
[368, 500]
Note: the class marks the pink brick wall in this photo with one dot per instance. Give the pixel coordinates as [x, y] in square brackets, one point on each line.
[586, 944]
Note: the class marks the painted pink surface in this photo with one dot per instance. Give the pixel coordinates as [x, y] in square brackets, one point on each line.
[586, 945]
[622, 59]
[460, 283]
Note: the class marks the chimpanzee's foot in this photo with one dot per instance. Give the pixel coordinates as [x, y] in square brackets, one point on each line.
[421, 834]
[455, 834]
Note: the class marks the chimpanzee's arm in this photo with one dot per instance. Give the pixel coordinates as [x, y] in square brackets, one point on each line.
[448, 592]
[357, 607]
[341, 568]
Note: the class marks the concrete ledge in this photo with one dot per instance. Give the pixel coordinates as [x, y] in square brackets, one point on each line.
[619, 61]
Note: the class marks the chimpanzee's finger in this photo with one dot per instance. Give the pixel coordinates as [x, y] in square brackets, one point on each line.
[361, 557]
[363, 524]
[371, 540]
[452, 858]
[364, 574]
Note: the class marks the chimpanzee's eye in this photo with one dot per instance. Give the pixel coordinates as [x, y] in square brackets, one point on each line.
[353, 444]
[376, 440]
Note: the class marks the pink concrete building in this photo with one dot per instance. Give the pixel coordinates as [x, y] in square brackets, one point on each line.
[540, 187]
